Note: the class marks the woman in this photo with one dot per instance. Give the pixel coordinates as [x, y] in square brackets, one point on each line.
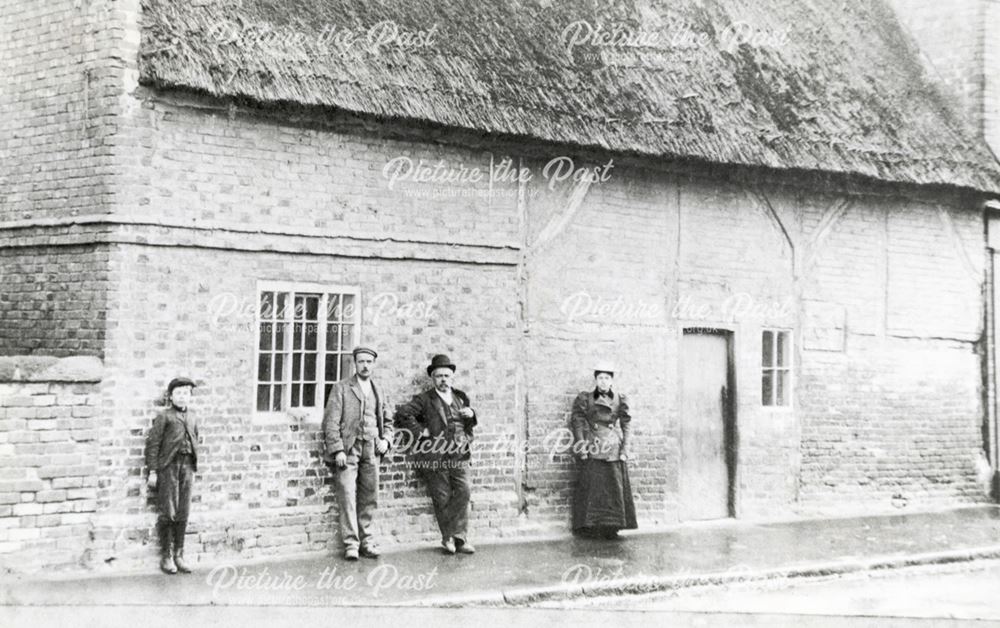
[602, 501]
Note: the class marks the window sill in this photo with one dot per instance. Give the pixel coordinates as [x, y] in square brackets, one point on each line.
[313, 416]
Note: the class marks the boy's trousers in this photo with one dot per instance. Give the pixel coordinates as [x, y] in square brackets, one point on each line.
[173, 488]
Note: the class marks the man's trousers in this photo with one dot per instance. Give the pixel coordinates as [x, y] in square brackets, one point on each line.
[448, 486]
[357, 494]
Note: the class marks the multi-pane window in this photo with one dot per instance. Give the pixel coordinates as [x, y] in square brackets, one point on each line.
[305, 337]
[776, 371]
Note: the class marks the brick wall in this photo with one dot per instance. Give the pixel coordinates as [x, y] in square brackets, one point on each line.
[53, 300]
[61, 76]
[63, 71]
[858, 280]
[891, 399]
[894, 422]
[434, 272]
[261, 172]
[49, 417]
[597, 289]
[208, 202]
[261, 488]
[867, 285]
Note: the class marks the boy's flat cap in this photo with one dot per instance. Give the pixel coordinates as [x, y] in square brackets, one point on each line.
[177, 382]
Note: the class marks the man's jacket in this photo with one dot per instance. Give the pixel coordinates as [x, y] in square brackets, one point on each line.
[342, 419]
[447, 440]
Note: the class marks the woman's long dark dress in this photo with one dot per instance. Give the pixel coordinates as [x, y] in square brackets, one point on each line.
[602, 499]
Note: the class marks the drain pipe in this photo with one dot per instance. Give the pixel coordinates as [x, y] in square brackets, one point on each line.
[992, 211]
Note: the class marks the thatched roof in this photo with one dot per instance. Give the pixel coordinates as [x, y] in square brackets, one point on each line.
[832, 86]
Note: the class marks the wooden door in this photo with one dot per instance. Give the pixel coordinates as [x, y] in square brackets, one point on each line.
[706, 430]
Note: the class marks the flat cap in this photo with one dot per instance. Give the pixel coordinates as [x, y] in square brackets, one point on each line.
[177, 382]
[358, 350]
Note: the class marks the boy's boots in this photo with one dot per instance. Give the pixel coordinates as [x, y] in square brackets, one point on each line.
[164, 530]
[179, 531]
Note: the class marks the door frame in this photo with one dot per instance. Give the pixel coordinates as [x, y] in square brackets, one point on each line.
[730, 430]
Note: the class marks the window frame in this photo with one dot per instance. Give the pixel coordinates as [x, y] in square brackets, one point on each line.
[313, 414]
[787, 368]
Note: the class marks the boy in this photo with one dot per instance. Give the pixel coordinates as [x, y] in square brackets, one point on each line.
[171, 461]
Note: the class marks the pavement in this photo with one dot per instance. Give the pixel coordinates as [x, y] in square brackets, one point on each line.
[528, 572]
[966, 590]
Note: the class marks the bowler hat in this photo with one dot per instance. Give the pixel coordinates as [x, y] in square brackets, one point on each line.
[177, 382]
[370, 352]
[440, 361]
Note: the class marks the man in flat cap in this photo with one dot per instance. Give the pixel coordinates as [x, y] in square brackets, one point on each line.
[171, 461]
[440, 422]
[357, 432]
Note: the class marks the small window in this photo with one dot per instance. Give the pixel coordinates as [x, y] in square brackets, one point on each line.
[776, 368]
[305, 336]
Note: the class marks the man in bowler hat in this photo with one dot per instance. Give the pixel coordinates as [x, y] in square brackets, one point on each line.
[440, 422]
[171, 461]
[357, 432]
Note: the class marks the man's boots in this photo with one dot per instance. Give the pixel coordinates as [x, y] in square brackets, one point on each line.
[180, 527]
[164, 530]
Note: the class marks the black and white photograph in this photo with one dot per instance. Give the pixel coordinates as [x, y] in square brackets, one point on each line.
[462, 313]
